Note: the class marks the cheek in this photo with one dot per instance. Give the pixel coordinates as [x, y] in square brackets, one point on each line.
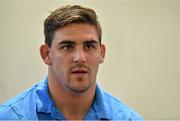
[61, 63]
[95, 61]
[59, 58]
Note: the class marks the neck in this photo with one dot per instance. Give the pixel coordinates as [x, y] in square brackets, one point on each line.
[73, 106]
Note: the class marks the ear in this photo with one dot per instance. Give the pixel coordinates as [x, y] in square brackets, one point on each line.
[103, 51]
[44, 52]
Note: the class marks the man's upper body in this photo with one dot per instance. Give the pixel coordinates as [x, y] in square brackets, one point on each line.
[73, 52]
[37, 104]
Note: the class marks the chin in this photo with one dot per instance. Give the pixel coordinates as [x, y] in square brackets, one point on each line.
[80, 85]
[79, 90]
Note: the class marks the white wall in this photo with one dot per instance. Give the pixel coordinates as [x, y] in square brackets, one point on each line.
[22, 35]
[145, 73]
[1, 94]
[143, 51]
[179, 56]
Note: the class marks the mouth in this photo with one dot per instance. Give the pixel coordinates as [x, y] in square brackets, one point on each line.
[79, 71]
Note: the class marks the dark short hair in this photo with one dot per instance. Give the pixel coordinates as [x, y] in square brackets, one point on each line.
[67, 15]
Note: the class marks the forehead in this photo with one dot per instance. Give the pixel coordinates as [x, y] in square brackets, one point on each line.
[76, 32]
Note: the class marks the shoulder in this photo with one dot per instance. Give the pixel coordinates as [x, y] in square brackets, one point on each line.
[20, 105]
[118, 109]
[7, 113]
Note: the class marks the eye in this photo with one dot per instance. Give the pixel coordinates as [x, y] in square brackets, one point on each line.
[90, 46]
[67, 47]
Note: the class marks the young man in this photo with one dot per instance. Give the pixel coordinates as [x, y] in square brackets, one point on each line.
[72, 52]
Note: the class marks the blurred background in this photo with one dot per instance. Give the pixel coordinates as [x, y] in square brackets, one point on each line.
[142, 37]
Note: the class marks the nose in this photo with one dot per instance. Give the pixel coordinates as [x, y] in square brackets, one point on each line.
[79, 56]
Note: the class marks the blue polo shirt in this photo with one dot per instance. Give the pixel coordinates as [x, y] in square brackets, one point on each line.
[36, 104]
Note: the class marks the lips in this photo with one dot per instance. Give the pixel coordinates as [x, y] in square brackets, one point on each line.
[79, 71]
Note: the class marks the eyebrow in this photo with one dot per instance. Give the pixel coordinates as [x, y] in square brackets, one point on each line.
[90, 41]
[67, 42]
[73, 42]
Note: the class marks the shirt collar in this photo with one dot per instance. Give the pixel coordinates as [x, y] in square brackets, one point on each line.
[99, 104]
[45, 103]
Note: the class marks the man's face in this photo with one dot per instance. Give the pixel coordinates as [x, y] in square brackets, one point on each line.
[75, 55]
